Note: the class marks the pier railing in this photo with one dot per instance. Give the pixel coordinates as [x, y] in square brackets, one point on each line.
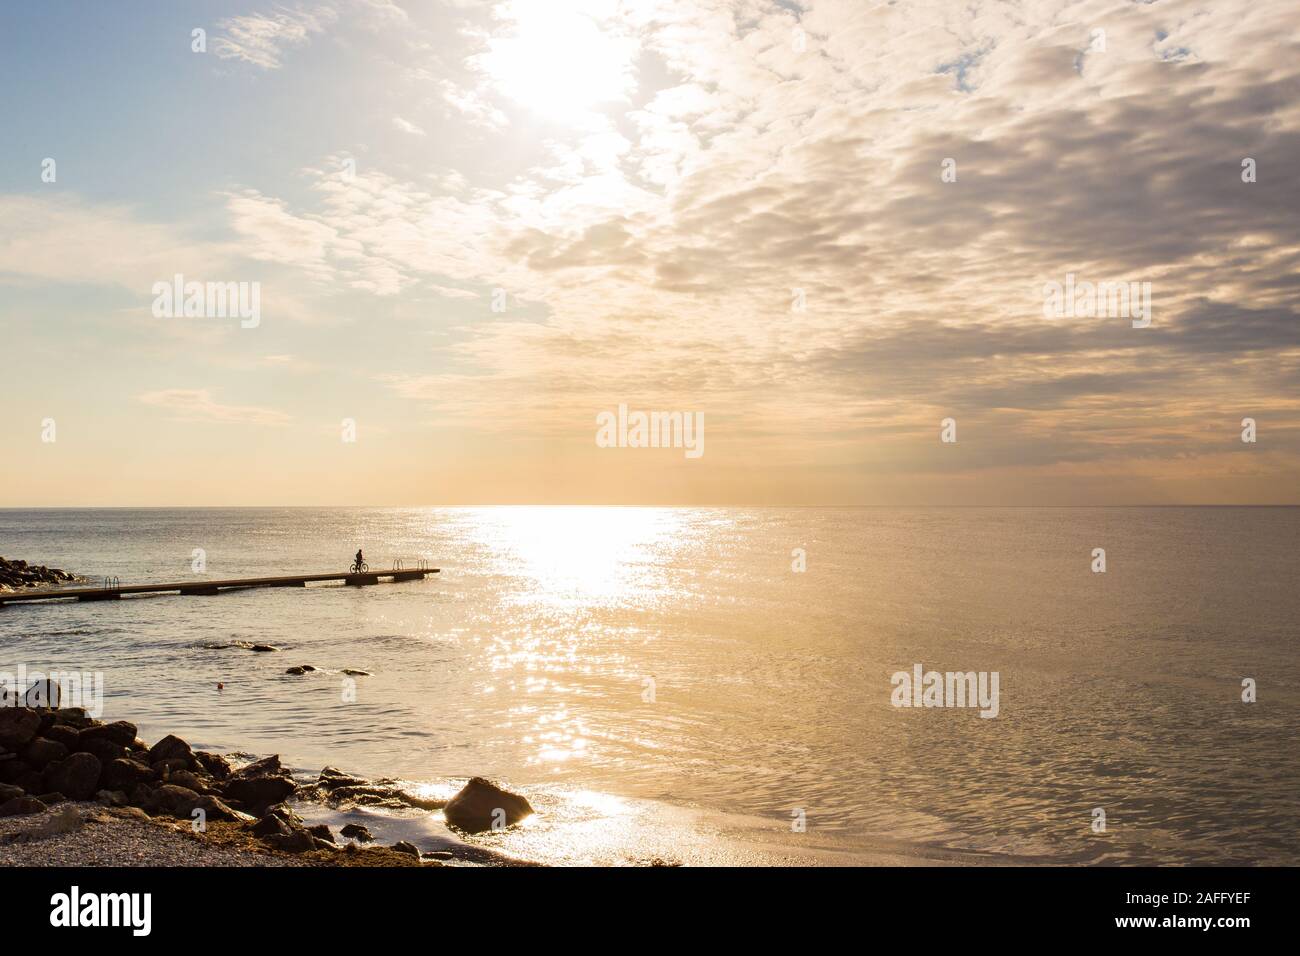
[418, 564]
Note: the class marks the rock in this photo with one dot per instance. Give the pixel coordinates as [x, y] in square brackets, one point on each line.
[124, 774]
[111, 798]
[15, 575]
[259, 785]
[101, 747]
[165, 767]
[188, 780]
[73, 717]
[18, 725]
[51, 799]
[355, 831]
[296, 670]
[40, 753]
[21, 806]
[285, 813]
[332, 778]
[11, 770]
[31, 781]
[216, 765]
[441, 855]
[216, 810]
[257, 768]
[324, 844]
[298, 841]
[270, 825]
[343, 788]
[402, 846]
[70, 737]
[77, 776]
[63, 820]
[172, 801]
[258, 793]
[9, 792]
[264, 648]
[475, 808]
[120, 732]
[353, 672]
[322, 832]
[170, 747]
[382, 793]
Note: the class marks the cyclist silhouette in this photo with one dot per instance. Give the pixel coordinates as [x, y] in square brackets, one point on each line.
[361, 562]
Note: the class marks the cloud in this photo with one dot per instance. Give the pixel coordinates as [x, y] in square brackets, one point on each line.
[450, 293]
[406, 126]
[385, 12]
[659, 240]
[198, 405]
[64, 238]
[262, 38]
[473, 105]
[736, 207]
[287, 363]
[270, 233]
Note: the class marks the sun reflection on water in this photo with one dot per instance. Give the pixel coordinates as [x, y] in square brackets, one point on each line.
[574, 573]
[581, 557]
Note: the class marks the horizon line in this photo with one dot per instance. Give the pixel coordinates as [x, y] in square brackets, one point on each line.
[374, 507]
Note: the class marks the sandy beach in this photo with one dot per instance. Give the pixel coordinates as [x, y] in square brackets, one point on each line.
[89, 834]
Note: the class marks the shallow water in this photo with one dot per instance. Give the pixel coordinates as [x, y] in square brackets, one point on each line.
[662, 684]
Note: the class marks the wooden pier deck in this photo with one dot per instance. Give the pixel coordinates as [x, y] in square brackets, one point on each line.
[200, 586]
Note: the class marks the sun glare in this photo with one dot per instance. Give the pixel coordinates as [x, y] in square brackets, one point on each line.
[582, 555]
[560, 60]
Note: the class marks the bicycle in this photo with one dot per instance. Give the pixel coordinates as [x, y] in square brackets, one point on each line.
[361, 568]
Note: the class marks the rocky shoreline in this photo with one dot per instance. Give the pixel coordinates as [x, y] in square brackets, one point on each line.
[15, 575]
[71, 776]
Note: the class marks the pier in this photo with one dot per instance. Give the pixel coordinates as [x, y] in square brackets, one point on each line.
[111, 590]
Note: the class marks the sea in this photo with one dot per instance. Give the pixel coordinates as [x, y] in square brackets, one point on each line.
[725, 686]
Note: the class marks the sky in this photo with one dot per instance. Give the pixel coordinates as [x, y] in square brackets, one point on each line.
[823, 229]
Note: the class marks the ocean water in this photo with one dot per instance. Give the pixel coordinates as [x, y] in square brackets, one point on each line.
[662, 684]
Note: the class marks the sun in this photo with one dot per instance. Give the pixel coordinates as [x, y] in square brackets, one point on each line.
[561, 59]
